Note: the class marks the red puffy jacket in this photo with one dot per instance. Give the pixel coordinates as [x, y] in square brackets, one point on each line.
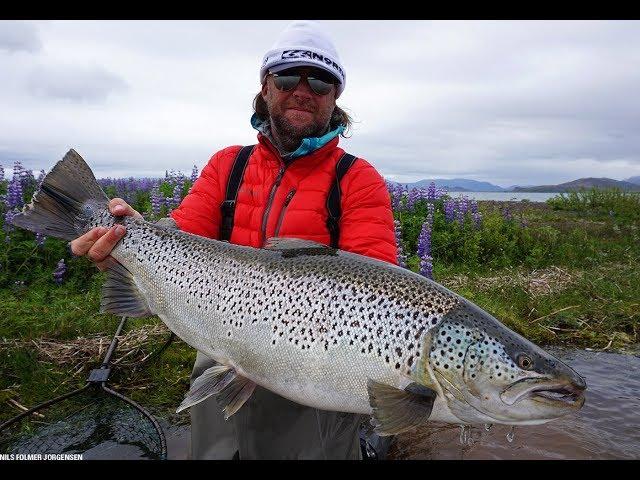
[298, 207]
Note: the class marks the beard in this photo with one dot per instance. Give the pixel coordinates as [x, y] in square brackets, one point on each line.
[290, 136]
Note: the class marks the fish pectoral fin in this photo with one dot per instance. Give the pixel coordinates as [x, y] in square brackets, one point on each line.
[120, 295]
[396, 410]
[232, 390]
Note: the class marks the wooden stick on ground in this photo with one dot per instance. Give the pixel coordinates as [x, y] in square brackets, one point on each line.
[553, 313]
[23, 408]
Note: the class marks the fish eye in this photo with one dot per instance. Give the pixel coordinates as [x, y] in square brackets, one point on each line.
[524, 362]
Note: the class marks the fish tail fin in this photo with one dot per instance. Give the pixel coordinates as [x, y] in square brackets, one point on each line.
[59, 206]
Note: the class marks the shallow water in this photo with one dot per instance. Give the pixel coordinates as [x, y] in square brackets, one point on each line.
[506, 196]
[607, 427]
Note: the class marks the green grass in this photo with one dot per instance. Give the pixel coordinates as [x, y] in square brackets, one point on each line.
[613, 202]
[568, 277]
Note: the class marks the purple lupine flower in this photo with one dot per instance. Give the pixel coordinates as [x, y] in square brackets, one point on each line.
[477, 217]
[398, 195]
[395, 197]
[180, 181]
[424, 245]
[412, 197]
[464, 205]
[426, 267]
[156, 200]
[8, 221]
[177, 196]
[402, 258]
[449, 210]
[26, 177]
[14, 193]
[17, 169]
[40, 238]
[458, 210]
[194, 174]
[1, 173]
[431, 191]
[424, 239]
[506, 213]
[58, 273]
[430, 212]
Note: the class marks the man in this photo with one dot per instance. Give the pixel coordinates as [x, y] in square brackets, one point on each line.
[282, 192]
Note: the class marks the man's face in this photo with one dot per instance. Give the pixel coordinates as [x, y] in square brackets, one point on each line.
[299, 112]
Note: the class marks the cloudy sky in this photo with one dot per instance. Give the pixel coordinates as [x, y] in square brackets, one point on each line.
[510, 102]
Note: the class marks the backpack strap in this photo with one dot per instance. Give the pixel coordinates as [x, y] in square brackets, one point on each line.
[228, 206]
[333, 199]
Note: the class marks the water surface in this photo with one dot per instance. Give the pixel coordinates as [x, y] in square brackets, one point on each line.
[607, 427]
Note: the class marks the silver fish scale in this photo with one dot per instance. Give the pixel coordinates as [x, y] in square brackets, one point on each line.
[242, 299]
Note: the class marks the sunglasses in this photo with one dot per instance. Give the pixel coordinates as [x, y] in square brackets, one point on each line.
[288, 80]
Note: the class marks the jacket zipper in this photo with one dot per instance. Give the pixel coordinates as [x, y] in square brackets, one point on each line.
[272, 194]
[284, 209]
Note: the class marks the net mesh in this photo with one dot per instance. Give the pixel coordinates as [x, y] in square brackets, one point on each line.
[94, 423]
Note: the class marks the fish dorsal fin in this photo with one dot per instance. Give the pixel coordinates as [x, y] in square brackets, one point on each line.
[293, 247]
[120, 294]
[395, 410]
[281, 243]
[223, 381]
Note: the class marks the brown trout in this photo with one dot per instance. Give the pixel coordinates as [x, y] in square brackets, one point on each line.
[320, 326]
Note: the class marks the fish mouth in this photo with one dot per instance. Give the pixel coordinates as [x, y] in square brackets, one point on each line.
[556, 394]
[561, 395]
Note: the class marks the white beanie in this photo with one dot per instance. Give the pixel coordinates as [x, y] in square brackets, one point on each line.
[304, 43]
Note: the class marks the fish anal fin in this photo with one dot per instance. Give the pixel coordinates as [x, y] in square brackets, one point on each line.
[395, 410]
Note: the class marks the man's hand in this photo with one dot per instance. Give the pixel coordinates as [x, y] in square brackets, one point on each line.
[98, 242]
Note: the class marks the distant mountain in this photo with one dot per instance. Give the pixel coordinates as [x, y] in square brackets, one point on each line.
[457, 185]
[581, 183]
[635, 180]
[510, 188]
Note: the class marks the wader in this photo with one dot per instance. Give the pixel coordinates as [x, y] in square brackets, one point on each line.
[269, 426]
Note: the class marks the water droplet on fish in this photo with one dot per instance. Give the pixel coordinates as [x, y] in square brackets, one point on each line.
[487, 426]
[511, 434]
[464, 434]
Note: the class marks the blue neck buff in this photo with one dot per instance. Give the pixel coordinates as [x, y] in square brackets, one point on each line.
[307, 146]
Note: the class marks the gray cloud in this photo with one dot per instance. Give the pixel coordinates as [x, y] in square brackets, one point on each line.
[512, 102]
[78, 84]
[19, 36]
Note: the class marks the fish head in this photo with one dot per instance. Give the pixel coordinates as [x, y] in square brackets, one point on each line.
[490, 374]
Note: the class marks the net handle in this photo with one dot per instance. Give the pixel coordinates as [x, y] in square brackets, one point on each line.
[114, 344]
